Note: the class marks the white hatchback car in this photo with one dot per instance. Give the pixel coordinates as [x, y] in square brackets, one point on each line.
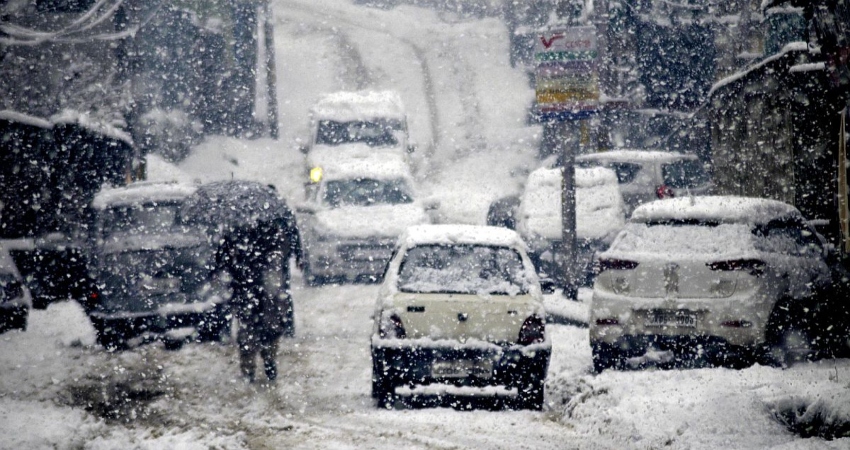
[725, 278]
[460, 313]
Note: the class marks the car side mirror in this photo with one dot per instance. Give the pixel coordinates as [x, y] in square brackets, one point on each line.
[411, 148]
[431, 203]
[304, 149]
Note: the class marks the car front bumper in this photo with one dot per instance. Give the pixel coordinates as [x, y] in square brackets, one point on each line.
[167, 317]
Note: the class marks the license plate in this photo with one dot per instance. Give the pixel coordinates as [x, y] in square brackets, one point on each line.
[462, 369]
[679, 319]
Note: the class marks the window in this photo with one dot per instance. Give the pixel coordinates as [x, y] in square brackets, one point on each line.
[365, 192]
[377, 133]
[462, 269]
[682, 174]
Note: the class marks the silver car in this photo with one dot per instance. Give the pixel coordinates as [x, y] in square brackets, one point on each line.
[647, 175]
[722, 278]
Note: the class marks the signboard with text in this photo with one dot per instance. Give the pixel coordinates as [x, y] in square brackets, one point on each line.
[567, 79]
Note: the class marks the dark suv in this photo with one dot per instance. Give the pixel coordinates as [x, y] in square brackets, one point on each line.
[152, 274]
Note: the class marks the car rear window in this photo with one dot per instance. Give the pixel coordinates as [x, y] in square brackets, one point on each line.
[684, 238]
[686, 173]
[462, 269]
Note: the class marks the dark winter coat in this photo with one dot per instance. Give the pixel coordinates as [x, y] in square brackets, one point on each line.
[257, 259]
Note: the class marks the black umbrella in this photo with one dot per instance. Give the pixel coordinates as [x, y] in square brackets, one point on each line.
[227, 205]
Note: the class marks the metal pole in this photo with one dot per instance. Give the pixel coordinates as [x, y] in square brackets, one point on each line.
[568, 207]
[271, 73]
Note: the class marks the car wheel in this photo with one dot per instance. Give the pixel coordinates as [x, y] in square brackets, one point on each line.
[214, 326]
[787, 340]
[109, 338]
[383, 387]
[530, 393]
[605, 356]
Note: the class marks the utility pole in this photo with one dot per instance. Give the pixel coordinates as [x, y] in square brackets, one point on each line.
[271, 72]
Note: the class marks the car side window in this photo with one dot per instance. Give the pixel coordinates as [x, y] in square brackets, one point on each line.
[685, 173]
[626, 172]
[789, 237]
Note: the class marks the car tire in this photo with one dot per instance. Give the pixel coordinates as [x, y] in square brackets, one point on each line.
[605, 356]
[530, 393]
[214, 326]
[787, 337]
[383, 387]
[109, 338]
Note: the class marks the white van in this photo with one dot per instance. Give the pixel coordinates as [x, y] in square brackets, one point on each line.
[600, 214]
[356, 124]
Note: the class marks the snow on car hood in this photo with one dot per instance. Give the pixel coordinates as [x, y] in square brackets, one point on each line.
[326, 155]
[369, 221]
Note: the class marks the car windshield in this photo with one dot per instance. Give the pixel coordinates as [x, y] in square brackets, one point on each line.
[376, 133]
[462, 269]
[684, 237]
[682, 174]
[139, 219]
[366, 192]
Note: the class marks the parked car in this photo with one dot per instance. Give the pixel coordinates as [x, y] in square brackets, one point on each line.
[54, 267]
[536, 214]
[730, 279]
[15, 300]
[353, 217]
[460, 306]
[153, 275]
[647, 175]
[360, 123]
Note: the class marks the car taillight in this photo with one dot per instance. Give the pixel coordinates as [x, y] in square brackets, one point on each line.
[754, 267]
[391, 327]
[663, 191]
[533, 331]
[604, 264]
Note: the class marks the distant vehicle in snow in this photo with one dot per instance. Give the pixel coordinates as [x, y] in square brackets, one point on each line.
[647, 175]
[732, 279]
[358, 123]
[536, 214]
[15, 300]
[354, 215]
[152, 274]
[460, 308]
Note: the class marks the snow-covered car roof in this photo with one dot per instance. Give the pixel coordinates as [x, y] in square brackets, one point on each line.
[726, 209]
[635, 156]
[142, 192]
[461, 234]
[358, 105]
[378, 166]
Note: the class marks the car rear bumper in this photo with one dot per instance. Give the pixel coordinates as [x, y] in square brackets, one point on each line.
[167, 317]
[737, 321]
[416, 366]
[345, 260]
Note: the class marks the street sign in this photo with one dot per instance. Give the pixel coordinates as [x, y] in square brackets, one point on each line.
[567, 79]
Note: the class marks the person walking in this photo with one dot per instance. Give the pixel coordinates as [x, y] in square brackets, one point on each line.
[257, 258]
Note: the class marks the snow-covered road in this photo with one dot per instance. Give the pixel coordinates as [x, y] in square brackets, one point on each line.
[467, 112]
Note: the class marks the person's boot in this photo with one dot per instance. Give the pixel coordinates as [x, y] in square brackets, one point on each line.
[271, 370]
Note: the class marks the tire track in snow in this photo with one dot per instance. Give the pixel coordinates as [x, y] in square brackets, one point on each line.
[418, 52]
